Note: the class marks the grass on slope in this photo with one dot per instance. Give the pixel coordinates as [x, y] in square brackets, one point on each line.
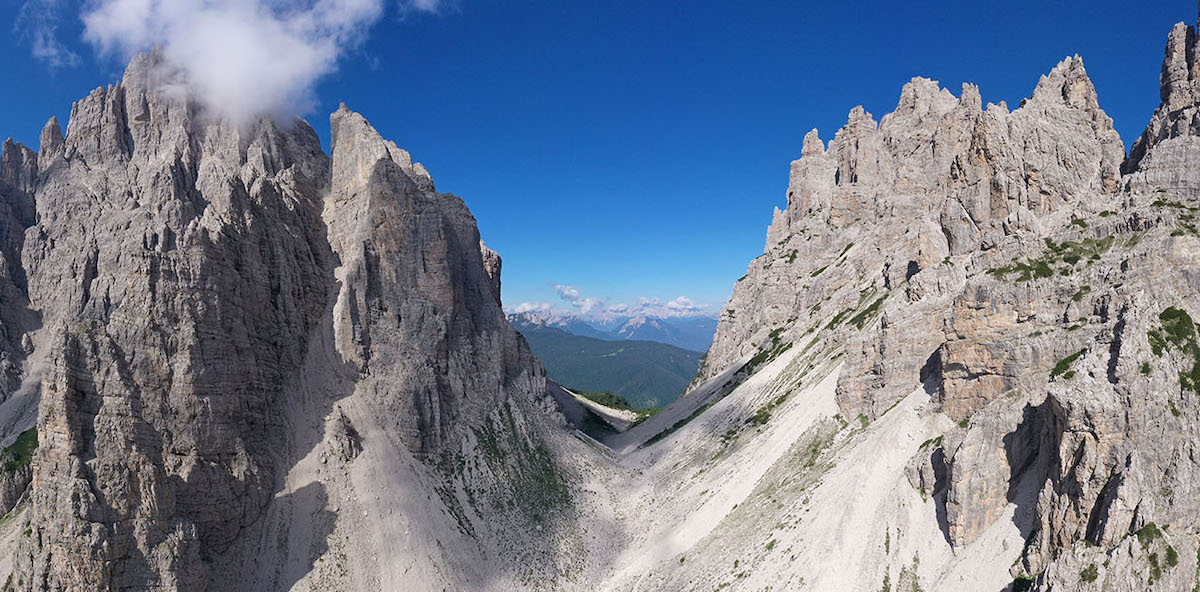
[609, 400]
[645, 373]
[20, 453]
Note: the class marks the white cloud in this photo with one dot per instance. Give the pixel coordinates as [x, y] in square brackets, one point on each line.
[572, 296]
[684, 304]
[597, 309]
[37, 23]
[244, 58]
[534, 307]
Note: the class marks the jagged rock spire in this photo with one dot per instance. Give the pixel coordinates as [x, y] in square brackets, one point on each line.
[1178, 116]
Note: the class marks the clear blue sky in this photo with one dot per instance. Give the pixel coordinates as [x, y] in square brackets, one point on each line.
[636, 148]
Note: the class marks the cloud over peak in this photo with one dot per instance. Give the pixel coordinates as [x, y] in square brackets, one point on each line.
[242, 58]
[572, 296]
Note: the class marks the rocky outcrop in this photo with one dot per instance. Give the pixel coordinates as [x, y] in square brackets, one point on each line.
[179, 264]
[18, 176]
[939, 177]
[419, 303]
[220, 301]
[492, 265]
[1045, 300]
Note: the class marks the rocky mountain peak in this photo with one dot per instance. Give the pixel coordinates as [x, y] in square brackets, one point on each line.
[813, 146]
[1068, 83]
[1177, 82]
[52, 142]
[357, 147]
[207, 291]
[1012, 265]
[922, 97]
[18, 177]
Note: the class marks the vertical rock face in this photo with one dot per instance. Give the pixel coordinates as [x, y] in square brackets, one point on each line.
[492, 265]
[1042, 290]
[187, 270]
[940, 176]
[179, 263]
[18, 176]
[419, 303]
[1176, 122]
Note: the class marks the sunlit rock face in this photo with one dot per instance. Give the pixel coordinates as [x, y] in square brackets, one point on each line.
[215, 305]
[1042, 288]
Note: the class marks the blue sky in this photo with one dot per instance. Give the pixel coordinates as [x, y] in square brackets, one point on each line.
[635, 149]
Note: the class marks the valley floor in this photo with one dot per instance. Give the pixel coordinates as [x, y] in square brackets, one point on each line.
[771, 489]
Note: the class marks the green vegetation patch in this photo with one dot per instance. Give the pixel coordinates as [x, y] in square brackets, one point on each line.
[1063, 367]
[20, 453]
[838, 318]
[1090, 573]
[1022, 584]
[1186, 225]
[1069, 252]
[932, 444]
[868, 314]
[646, 374]
[1147, 534]
[671, 430]
[1177, 332]
[763, 414]
[766, 356]
[524, 465]
[609, 400]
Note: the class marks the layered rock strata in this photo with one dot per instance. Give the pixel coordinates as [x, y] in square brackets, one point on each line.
[1041, 288]
[223, 308]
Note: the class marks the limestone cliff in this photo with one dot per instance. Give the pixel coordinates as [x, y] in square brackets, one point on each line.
[1044, 299]
[243, 342]
[18, 176]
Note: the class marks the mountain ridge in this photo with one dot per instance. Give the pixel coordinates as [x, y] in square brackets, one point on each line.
[692, 332]
[967, 359]
[1000, 261]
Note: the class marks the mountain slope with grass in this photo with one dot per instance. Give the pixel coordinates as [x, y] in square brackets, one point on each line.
[648, 374]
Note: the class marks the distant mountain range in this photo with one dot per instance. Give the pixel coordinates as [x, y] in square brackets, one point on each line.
[692, 332]
[648, 374]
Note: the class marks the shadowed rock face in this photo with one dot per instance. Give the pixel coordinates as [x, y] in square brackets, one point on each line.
[18, 176]
[184, 268]
[1002, 260]
[180, 264]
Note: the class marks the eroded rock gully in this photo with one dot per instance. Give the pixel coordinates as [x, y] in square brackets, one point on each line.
[1041, 287]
